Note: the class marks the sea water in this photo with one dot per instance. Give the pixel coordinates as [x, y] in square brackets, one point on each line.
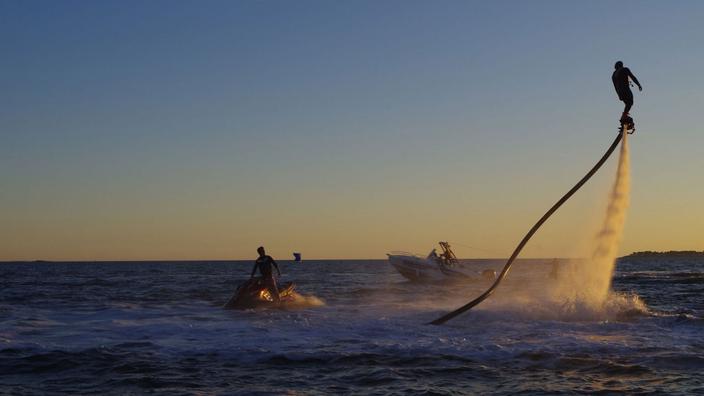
[158, 327]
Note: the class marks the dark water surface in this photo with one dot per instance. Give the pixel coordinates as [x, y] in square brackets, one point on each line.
[157, 327]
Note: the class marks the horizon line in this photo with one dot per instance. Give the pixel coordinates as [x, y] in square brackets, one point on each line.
[252, 260]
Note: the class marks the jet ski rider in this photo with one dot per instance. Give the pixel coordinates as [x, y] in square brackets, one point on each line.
[264, 263]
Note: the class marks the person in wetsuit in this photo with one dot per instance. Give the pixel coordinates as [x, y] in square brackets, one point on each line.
[623, 90]
[264, 263]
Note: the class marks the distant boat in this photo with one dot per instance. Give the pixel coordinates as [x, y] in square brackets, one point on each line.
[434, 268]
[296, 257]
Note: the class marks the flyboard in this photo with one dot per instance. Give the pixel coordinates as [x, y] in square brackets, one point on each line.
[626, 126]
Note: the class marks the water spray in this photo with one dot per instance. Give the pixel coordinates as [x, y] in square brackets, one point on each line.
[536, 226]
[595, 280]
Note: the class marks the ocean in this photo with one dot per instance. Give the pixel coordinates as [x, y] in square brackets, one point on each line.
[158, 328]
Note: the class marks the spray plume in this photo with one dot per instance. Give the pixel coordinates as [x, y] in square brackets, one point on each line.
[589, 282]
[623, 170]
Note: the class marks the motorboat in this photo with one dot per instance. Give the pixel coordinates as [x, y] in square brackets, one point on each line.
[434, 268]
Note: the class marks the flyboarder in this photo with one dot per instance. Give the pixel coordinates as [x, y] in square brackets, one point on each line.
[620, 78]
[264, 263]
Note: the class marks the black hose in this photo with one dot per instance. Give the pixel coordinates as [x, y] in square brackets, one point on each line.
[526, 238]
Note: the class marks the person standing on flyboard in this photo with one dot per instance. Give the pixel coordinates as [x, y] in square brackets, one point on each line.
[620, 78]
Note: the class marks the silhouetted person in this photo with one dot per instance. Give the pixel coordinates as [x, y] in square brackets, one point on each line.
[264, 263]
[433, 256]
[622, 85]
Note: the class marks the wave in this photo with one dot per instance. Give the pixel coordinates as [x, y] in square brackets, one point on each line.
[304, 301]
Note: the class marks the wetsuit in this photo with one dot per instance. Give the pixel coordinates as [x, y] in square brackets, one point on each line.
[264, 264]
[623, 89]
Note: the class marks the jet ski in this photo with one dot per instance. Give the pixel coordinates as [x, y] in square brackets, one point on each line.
[253, 293]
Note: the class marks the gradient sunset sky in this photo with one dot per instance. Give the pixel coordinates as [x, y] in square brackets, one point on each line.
[201, 130]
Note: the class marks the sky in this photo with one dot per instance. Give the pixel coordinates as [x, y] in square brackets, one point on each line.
[201, 130]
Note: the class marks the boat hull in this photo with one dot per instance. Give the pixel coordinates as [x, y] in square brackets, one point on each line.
[413, 269]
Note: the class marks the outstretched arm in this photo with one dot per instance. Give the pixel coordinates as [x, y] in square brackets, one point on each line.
[635, 80]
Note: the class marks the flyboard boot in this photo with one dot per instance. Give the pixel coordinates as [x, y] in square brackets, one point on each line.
[627, 123]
